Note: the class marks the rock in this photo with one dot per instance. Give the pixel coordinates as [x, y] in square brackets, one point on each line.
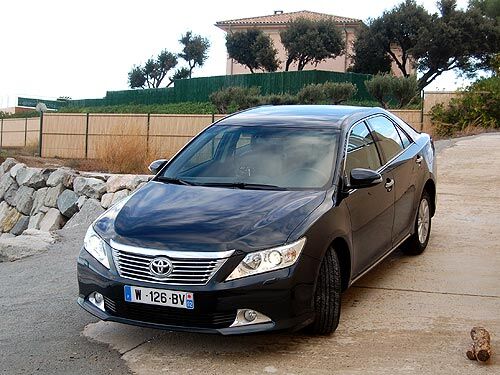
[100, 176]
[16, 168]
[119, 195]
[106, 200]
[21, 225]
[90, 210]
[138, 181]
[141, 185]
[7, 235]
[44, 209]
[81, 201]
[52, 195]
[8, 164]
[32, 177]
[67, 203]
[4, 209]
[90, 187]
[31, 242]
[24, 199]
[10, 194]
[52, 220]
[120, 182]
[34, 222]
[5, 183]
[9, 220]
[39, 200]
[63, 176]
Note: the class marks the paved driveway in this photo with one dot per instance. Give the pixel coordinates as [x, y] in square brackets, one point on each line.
[411, 315]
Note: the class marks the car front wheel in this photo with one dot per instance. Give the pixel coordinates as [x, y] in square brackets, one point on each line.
[327, 295]
[417, 243]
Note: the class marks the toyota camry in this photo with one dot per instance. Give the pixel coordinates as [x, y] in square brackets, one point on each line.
[261, 221]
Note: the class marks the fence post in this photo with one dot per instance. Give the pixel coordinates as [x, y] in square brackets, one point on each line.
[213, 117]
[422, 112]
[87, 137]
[25, 131]
[1, 134]
[147, 134]
[41, 135]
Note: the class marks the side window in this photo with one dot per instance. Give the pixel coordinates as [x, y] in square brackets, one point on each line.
[404, 138]
[361, 150]
[387, 136]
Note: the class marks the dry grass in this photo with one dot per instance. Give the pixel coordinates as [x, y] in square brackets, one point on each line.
[31, 147]
[123, 154]
[467, 131]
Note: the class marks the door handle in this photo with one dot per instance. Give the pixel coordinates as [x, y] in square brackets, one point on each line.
[389, 183]
[419, 159]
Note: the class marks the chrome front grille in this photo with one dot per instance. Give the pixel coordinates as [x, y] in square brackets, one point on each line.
[186, 271]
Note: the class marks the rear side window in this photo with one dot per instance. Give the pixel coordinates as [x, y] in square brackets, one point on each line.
[387, 136]
[404, 138]
[361, 150]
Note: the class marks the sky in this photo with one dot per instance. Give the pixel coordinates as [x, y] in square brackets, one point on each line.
[81, 49]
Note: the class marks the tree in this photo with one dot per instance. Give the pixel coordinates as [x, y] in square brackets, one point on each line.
[435, 43]
[489, 9]
[308, 41]
[369, 57]
[253, 49]
[194, 51]
[153, 72]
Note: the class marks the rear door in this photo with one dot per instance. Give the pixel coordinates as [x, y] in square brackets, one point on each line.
[399, 159]
[371, 209]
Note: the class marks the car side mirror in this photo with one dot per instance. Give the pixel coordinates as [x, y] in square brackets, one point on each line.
[363, 178]
[155, 166]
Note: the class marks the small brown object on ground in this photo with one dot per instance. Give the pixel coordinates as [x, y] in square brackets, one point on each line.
[481, 347]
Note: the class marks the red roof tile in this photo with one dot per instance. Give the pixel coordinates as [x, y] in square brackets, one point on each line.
[283, 18]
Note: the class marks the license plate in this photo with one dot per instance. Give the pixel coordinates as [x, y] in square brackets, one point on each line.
[161, 297]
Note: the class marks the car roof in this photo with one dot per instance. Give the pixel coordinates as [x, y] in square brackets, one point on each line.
[300, 116]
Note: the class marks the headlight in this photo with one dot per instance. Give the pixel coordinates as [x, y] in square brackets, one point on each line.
[96, 247]
[268, 260]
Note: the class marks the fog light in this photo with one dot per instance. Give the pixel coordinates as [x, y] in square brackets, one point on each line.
[250, 315]
[98, 298]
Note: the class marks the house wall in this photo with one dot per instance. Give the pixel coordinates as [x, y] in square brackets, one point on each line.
[338, 64]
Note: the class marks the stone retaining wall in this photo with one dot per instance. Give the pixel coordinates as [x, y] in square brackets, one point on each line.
[46, 199]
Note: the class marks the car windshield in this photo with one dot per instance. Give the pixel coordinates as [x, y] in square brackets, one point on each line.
[257, 157]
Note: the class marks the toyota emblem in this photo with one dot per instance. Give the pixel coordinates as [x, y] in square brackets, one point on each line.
[161, 267]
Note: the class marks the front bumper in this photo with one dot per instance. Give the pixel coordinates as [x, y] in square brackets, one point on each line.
[280, 295]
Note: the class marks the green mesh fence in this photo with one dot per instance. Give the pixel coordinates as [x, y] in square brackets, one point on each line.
[199, 89]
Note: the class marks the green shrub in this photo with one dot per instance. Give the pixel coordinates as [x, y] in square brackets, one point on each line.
[311, 94]
[26, 114]
[235, 98]
[171, 108]
[404, 89]
[337, 93]
[478, 106]
[386, 87]
[279, 99]
[380, 87]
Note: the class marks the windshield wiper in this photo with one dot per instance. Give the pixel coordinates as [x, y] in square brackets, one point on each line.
[176, 181]
[243, 185]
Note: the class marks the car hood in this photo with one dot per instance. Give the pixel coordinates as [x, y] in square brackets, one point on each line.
[195, 218]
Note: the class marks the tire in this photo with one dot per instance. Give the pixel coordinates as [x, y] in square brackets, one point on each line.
[418, 241]
[327, 296]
